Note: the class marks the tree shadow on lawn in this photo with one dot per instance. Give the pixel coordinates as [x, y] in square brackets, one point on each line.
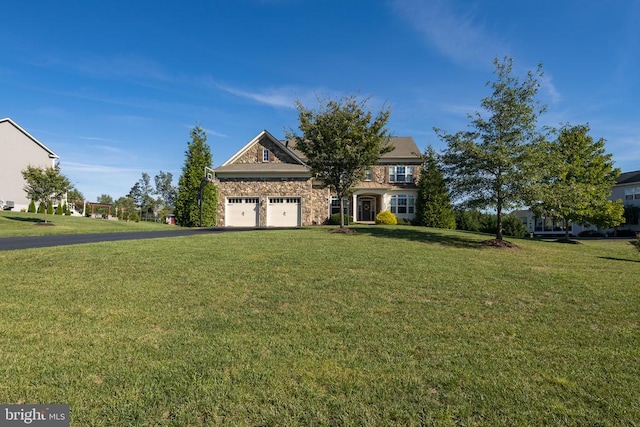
[619, 259]
[417, 234]
[26, 219]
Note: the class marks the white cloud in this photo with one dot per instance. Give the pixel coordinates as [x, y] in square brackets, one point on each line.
[275, 97]
[547, 86]
[456, 36]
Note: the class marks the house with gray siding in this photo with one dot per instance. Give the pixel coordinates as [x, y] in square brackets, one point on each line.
[19, 149]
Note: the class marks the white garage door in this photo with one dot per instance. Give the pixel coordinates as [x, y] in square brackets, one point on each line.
[283, 212]
[242, 212]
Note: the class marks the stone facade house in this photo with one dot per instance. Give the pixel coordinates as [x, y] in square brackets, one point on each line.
[19, 150]
[268, 184]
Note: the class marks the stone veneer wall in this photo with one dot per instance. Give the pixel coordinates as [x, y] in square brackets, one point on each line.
[254, 153]
[315, 201]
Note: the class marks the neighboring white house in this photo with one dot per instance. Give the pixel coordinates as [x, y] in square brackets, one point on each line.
[19, 149]
[627, 189]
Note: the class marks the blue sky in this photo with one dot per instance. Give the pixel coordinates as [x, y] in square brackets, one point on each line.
[114, 87]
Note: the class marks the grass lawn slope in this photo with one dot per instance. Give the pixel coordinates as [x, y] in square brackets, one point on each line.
[391, 325]
[31, 224]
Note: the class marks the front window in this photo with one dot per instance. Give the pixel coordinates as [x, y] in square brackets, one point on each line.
[265, 156]
[400, 173]
[632, 193]
[402, 204]
[335, 205]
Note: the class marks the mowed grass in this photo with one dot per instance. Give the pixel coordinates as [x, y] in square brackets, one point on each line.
[388, 326]
[30, 224]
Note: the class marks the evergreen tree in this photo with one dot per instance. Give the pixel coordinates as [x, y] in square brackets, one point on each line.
[42, 208]
[433, 204]
[197, 157]
[32, 207]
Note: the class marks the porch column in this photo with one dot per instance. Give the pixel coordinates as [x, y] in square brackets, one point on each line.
[354, 207]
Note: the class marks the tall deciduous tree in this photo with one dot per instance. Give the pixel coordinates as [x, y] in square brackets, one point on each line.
[164, 188]
[487, 165]
[433, 204]
[575, 178]
[197, 156]
[45, 185]
[340, 141]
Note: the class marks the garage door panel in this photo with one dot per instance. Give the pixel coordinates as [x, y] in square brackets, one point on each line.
[242, 212]
[284, 212]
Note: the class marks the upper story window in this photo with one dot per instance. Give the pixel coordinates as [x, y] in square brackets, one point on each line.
[367, 174]
[265, 155]
[400, 173]
[632, 193]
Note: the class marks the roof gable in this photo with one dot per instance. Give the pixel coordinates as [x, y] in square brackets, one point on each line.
[252, 152]
[7, 120]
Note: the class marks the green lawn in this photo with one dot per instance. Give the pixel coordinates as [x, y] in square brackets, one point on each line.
[388, 326]
[28, 224]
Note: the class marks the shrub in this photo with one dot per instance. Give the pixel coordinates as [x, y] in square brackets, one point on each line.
[335, 219]
[386, 217]
[41, 208]
[513, 226]
[32, 207]
[50, 209]
[590, 233]
[467, 220]
[625, 233]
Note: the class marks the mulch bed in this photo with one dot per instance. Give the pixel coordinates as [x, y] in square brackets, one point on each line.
[500, 244]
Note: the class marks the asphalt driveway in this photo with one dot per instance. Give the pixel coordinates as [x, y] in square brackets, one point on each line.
[26, 242]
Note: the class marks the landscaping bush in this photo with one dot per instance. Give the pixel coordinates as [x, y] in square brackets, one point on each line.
[467, 220]
[590, 233]
[335, 219]
[513, 226]
[624, 233]
[32, 207]
[386, 217]
[41, 208]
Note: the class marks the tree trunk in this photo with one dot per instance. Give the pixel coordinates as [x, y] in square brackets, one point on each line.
[499, 223]
[566, 229]
[341, 211]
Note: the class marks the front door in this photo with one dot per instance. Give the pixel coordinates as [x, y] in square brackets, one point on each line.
[367, 210]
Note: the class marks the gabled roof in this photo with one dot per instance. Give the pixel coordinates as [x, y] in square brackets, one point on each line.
[628, 178]
[404, 147]
[255, 140]
[52, 155]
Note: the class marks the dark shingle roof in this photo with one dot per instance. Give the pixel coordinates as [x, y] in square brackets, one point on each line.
[404, 147]
[628, 178]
